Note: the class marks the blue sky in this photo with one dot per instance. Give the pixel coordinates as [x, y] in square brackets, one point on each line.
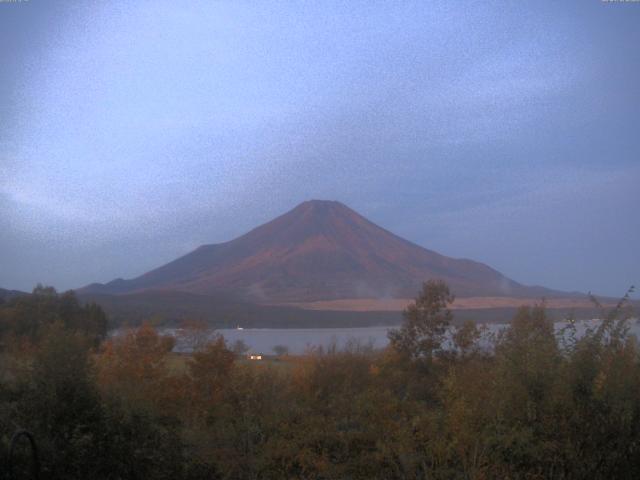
[505, 132]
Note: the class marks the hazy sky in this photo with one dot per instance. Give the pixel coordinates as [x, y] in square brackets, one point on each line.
[506, 132]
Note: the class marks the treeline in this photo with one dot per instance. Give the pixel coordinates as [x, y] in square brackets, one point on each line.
[527, 403]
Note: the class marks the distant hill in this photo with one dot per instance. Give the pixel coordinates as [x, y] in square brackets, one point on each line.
[7, 294]
[320, 250]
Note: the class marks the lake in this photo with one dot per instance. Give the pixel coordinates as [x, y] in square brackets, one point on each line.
[298, 340]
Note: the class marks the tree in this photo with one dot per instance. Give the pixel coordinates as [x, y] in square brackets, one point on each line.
[61, 404]
[194, 335]
[27, 316]
[239, 347]
[132, 367]
[209, 371]
[425, 322]
[465, 338]
[281, 350]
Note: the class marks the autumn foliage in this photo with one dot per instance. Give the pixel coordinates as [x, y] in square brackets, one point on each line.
[441, 402]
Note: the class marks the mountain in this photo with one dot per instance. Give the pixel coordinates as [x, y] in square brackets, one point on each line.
[320, 250]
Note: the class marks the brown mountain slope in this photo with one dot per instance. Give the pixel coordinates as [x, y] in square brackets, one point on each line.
[320, 250]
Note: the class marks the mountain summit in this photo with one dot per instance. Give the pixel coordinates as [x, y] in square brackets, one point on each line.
[320, 250]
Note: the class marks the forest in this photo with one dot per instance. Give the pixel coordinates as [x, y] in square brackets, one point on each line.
[442, 401]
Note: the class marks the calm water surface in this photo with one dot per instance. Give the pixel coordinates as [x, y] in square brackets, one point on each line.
[298, 340]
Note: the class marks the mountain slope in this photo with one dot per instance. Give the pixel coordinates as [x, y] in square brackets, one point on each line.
[320, 250]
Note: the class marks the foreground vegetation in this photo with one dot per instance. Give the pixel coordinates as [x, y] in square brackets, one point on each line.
[531, 405]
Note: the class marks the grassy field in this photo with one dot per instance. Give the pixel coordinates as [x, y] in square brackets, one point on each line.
[177, 363]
